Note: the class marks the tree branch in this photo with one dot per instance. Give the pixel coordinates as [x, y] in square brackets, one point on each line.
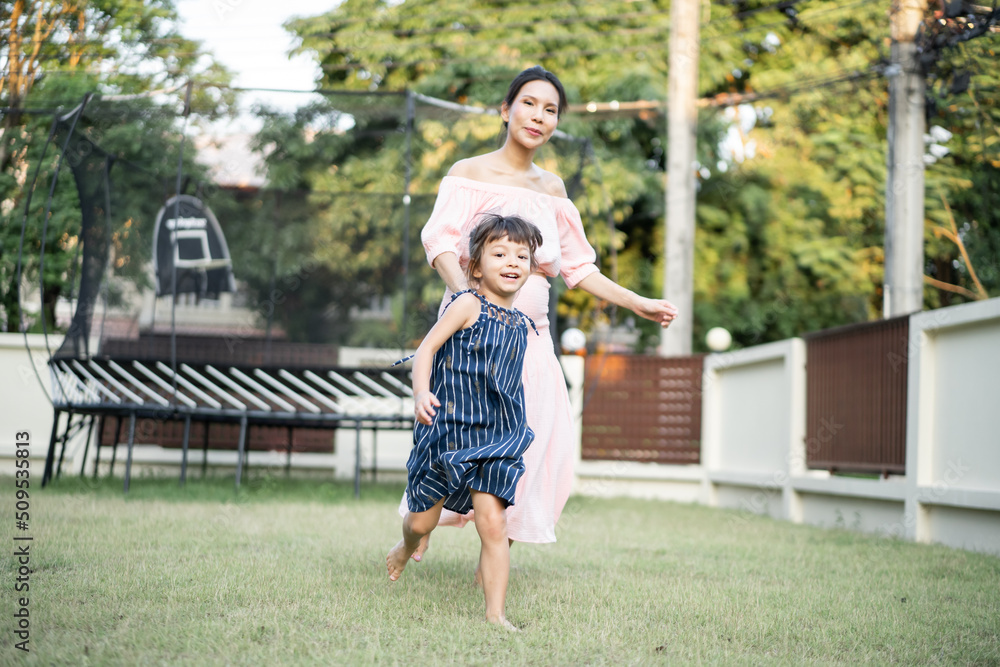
[957, 240]
[948, 287]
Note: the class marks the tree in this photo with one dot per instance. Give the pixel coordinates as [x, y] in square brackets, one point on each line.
[963, 179]
[130, 55]
[790, 226]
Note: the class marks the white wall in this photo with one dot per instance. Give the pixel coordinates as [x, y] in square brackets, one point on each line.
[953, 427]
[753, 452]
[24, 403]
[753, 422]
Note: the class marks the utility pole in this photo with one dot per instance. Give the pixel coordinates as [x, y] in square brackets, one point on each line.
[903, 290]
[682, 120]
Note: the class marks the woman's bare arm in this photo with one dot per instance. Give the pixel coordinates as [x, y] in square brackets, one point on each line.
[658, 310]
[447, 266]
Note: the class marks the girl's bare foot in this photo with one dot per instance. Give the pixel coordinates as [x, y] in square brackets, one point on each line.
[396, 559]
[418, 554]
[503, 623]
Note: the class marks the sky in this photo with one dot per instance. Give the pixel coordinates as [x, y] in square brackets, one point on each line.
[246, 36]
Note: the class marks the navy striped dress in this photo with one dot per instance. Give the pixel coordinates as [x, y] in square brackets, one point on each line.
[480, 432]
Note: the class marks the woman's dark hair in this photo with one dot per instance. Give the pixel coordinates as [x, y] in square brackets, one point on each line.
[536, 73]
[492, 227]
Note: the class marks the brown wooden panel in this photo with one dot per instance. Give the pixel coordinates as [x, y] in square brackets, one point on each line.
[856, 397]
[642, 408]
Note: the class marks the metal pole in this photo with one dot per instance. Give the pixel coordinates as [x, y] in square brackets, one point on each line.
[184, 453]
[173, 240]
[204, 450]
[375, 451]
[65, 443]
[682, 114]
[97, 445]
[51, 454]
[357, 458]
[114, 448]
[131, 443]
[903, 291]
[410, 115]
[274, 276]
[239, 450]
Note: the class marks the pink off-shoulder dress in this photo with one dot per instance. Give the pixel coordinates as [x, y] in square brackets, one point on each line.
[548, 463]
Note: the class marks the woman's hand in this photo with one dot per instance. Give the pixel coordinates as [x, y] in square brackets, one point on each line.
[657, 310]
[423, 407]
[660, 311]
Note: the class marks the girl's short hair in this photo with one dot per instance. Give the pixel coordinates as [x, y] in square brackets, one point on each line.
[492, 227]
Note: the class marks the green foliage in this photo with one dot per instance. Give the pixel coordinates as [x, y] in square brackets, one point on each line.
[329, 234]
[790, 233]
[967, 179]
[789, 237]
[108, 49]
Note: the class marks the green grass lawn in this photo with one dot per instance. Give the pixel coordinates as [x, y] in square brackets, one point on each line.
[293, 572]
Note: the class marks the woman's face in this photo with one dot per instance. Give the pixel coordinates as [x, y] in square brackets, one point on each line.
[533, 116]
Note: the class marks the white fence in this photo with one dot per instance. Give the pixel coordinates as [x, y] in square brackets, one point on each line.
[24, 390]
[753, 428]
[754, 450]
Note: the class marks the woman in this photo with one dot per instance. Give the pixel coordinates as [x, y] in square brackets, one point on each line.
[508, 182]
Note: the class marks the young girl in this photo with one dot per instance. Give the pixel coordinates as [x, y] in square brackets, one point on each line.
[468, 369]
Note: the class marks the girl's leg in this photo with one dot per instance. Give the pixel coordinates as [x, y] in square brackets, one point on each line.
[477, 575]
[425, 542]
[494, 556]
[416, 525]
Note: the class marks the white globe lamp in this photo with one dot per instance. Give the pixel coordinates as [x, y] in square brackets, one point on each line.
[718, 339]
[573, 340]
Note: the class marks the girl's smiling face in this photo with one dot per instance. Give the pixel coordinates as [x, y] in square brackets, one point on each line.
[533, 116]
[503, 269]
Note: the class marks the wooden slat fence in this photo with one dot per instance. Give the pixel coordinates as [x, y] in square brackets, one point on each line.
[856, 397]
[642, 408]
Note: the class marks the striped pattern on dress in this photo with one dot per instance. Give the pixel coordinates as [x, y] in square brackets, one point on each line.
[480, 432]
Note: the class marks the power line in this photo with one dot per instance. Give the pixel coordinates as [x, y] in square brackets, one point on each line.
[722, 100]
[637, 106]
[803, 85]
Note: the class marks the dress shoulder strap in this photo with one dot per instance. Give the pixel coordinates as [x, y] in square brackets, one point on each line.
[458, 294]
[530, 321]
[450, 301]
[511, 316]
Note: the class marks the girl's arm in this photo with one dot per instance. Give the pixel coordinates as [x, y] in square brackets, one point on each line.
[461, 314]
[658, 310]
[447, 266]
